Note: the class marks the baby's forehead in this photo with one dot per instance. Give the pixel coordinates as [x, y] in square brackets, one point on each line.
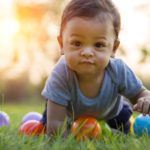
[78, 25]
[103, 17]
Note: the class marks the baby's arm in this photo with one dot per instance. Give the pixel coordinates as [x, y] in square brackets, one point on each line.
[56, 115]
[142, 101]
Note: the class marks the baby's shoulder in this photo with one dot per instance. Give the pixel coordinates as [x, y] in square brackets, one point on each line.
[115, 62]
[61, 66]
[115, 65]
[62, 70]
[115, 68]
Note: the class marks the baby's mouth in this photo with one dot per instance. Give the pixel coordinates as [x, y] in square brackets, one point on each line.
[87, 62]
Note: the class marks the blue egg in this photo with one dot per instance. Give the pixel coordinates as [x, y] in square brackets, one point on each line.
[141, 125]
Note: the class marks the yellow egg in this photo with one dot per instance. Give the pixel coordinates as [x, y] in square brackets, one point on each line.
[132, 122]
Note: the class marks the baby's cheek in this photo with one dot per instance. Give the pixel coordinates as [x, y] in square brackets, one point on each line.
[103, 60]
[71, 60]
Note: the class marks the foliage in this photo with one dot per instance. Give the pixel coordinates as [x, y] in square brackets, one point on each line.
[34, 50]
[145, 55]
[34, 46]
[21, 90]
[145, 48]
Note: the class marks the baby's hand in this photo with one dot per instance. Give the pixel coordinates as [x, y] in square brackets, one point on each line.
[143, 105]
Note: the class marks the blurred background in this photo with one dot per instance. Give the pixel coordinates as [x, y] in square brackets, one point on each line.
[29, 48]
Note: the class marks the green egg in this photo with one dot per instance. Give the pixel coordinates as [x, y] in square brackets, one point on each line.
[106, 130]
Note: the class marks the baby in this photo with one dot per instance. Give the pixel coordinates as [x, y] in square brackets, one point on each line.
[88, 80]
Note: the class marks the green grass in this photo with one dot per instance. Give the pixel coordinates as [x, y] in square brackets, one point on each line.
[17, 111]
[11, 140]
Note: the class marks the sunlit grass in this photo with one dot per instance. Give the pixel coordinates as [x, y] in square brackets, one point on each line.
[17, 111]
[11, 140]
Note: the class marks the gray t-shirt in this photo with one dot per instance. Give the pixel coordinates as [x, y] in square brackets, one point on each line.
[62, 88]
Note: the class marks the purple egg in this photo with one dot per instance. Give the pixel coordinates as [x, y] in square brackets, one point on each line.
[4, 119]
[31, 116]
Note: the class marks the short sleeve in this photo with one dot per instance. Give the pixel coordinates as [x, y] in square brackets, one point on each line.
[129, 83]
[56, 87]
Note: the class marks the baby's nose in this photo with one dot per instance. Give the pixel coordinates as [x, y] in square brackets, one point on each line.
[87, 52]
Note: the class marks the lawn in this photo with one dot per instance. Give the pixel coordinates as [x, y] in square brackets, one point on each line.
[11, 140]
[17, 111]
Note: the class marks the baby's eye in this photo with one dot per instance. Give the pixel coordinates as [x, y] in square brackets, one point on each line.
[77, 44]
[98, 45]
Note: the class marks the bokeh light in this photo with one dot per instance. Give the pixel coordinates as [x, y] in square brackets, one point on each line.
[28, 38]
[8, 28]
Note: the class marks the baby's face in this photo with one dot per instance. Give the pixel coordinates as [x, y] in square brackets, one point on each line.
[88, 44]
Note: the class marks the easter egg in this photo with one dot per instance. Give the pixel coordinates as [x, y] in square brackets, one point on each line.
[32, 127]
[106, 130]
[86, 127]
[31, 116]
[4, 119]
[131, 119]
[141, 125]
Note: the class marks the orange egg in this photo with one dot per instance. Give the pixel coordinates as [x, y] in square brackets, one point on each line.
[86, 127]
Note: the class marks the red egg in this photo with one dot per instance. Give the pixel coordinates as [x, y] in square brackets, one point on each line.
[32, 127]
[90, 129]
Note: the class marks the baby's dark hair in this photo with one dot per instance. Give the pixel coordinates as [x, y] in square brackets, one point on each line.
[90, 9]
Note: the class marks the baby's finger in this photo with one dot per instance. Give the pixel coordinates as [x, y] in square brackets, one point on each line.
[146, 105]
[140, 104]
[135, 107]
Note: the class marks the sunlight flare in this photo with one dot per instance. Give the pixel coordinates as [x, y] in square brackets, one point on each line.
[9, 27]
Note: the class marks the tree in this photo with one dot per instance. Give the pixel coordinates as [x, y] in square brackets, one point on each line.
[34, 47]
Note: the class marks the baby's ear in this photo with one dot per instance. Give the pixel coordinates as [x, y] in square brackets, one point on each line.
[59, 38]
[116, 45]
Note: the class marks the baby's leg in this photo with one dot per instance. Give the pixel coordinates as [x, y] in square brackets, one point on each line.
[44, 116]
[122, 120]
